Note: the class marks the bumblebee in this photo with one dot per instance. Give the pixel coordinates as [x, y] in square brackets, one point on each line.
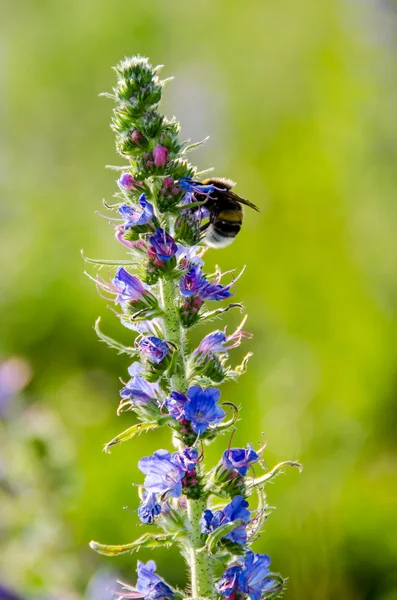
[225, 210]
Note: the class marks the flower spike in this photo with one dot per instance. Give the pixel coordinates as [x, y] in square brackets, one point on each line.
[165, 217]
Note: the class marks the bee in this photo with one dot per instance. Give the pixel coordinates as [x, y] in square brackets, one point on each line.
[225, 209]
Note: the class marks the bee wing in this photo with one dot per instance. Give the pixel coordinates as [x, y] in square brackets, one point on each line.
[242, 200]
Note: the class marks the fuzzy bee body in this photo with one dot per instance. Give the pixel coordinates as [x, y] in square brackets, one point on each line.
[225, 210]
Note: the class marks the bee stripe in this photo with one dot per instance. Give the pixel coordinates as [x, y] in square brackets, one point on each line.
[230, 215]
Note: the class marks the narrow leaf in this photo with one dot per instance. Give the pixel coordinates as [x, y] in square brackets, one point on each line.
[230, 422]
[215, 537]
[146, 541]
[100, 261]
[213, 314]
[195, 145]
[130, 433]
[113, 343]
[276, 470]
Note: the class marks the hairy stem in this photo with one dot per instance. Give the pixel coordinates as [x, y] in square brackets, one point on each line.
[174, 333]
[199, 560]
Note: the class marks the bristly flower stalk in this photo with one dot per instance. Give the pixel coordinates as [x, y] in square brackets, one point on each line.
[159, 292]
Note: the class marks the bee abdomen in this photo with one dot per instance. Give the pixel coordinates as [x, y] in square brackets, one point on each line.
[226, 228]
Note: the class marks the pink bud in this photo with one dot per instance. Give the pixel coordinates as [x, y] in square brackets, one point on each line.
[160, 155]
[119, 232]
[137, 137]
[127, 182]
[168, 182]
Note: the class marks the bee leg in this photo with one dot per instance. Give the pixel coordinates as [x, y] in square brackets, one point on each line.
[205, 227]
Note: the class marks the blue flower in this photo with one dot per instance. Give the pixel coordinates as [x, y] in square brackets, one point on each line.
[134, 216]
[252, 577]
[194, 282]
[188, 256]
[229, 583]
[212, 343]
[215, 291]
[189, 185]
[153, 348]
[164, 473]
[255, 578]
[188, 458]
[175, 405]
[138, 390]
[163, 245]
[150, 584]
[201, 409]
[127, 287]
[149, 508]
[239, 459]
[218, 341]
[237, 509]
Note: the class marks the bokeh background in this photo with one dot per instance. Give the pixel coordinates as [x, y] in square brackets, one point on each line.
[299, 97]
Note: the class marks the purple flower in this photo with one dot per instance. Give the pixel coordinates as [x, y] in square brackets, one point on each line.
[237, 509]
[229, 582]
[163, 245]
[151, 586]
[134, 216]
[138, 390]
[195, 187]
[188, 256]
[127, 182]
[216, 341]
[127, 287]
[153, 348]
[164, 473]
[252, 577]
[202, 409]
[160, 155]
[193, 282]
[212, 343]
[175, 405]
[215, 291]
[188, 458]
[239, 459]
[149, 508]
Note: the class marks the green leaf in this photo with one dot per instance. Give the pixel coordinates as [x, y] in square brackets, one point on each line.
[148, 540]
[130, 433]
[275, 471]
[195, 145]
[113, 343]
[100, 261]
[223, 426]
[214, 314]
[215, 537]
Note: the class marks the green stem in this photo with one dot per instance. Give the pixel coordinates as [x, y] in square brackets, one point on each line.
[174, 332]
[200, 561]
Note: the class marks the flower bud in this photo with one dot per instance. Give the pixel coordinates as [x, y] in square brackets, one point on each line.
[157, 354]
[127, 182]
[160, 155]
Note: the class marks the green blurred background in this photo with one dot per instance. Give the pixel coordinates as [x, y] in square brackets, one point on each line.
[299, 97]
